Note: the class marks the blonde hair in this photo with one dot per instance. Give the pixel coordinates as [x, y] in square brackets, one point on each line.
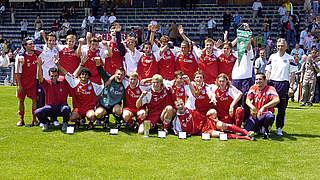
[209, 40]
[70, 36]
[223, 75]
[133, 74]
[157, 77]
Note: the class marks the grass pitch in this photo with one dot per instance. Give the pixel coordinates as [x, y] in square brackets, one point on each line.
[29, 153]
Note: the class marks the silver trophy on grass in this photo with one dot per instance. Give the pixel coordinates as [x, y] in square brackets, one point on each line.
[146, 125]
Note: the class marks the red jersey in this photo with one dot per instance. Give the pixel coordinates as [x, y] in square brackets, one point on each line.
[167, 65]
[68, 59]
[115, 61]
[132, 95]
[157, 101]
[202, 101]
[55, 94]
[224, 100]
[147, 66]
[188, 64]
[193, 122]
[84, 96]
[225, 64]
[91, 65]
[260, 98]
[208, 64]
[28, 69]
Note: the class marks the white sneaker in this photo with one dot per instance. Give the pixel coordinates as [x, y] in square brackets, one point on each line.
[41, 125]
[56, 123]
[64, 126]
[45, 127]
[279, 132]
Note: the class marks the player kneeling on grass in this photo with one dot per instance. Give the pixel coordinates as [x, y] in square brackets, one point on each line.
[159, 103]
[56, 93]
[133, 92]
[84, 93]
[261, 99]
[112, 96]
[194, 123]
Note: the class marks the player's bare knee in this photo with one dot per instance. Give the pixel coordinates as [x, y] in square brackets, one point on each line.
[99, 112]
[142, 114]
[74, 116]
[126, 115]
[219, 125]
[117, 109]
[91, 115]
[214, 133]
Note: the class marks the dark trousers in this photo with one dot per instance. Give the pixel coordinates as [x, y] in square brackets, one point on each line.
[282, 88]
[243, 85]
[210, 32]
[53, 111]
[24, 34]
[266, 121]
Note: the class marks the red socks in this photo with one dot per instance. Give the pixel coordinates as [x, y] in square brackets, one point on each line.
[234, 136]
[236, 129]
[21, 115]
[239, 116]
[34, 118]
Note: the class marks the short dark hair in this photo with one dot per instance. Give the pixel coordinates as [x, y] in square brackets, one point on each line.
[24, 42]
[146, 43]
[178, 73]
[121, 69]
[85, 71]
[263, 75]
[53, 70]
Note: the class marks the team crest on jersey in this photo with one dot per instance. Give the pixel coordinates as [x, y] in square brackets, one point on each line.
[182, 89]
[89, 88]
[78, 90]
[231, 58]
[203, 92]
[97, 53]
[190, 56]
[60, 89]
[121, 88]
[138, 92]
[168, 53]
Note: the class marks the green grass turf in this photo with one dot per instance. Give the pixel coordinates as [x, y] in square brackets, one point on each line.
[29, 153]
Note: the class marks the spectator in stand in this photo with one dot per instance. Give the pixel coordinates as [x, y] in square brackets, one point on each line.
[55, 27]
[154, 21]
[64, 13]
[113, 6]
[308, 79]
[289, 7]
[71, 31]
[1, 39]
[4, 60]
[303, 34]
[227, 21]
[72, 13]
[66, 24]
[4, 46]
[37, 36]
[284, 24]
[84, 27]
[309, 17]
[313, 26]
[104, 21]
[315, 6]
[203, 32]
[12, 14]
[133, 33]
[38, 23]
[266, 29]
[173, 32]
[24, 28]
[257, 5]
[261, 62]
[307, 42]
[290, 33]
[282, 12]
[297, 49]
[63, 34]
[269, 46]
[212, 26]
[91, 22]
[11, 45]
[112, 19]
[11, 57]
[139, 35]
[2, 12]
[298, 73]
[159, 30]
[306, 6]
[237, 21]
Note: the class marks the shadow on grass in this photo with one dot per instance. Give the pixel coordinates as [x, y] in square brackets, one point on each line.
[291, 137]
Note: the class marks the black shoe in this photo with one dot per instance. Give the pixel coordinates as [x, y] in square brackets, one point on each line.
[105, 124]
[90, 125]
[302, 104]
[265, 136]
[309, 104]
[76, 125]
[117, 125]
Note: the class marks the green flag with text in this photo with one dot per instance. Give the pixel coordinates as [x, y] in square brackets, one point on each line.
[243, 41]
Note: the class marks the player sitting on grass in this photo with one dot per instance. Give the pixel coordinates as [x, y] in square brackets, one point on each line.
[84, 93]
[56, 93]
[194, 123]
[261, 100]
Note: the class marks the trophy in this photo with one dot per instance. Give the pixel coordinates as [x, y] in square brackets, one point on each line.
[146, 124]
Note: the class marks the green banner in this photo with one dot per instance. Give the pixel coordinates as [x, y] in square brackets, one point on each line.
[242, 42]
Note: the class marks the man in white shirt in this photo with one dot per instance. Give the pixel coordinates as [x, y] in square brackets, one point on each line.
[282, 12]
[280, 72]
[112, 19]
[92, 22]
[255, 7]
[104, 21]
[212, 25]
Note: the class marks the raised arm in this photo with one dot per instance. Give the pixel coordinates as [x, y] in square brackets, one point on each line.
[43, 34]
[120, 46]
[139, 101]
[78, 51]
[186, 78]
[152, 34]
[40, 76]
[103, 74]
[83, 60]
[234, 102]
[181, 31]
[61, 69]
[109, 50]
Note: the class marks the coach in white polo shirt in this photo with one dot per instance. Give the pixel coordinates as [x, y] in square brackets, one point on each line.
[280, 72]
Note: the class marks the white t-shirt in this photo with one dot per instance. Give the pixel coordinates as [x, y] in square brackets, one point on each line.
[256, 6]
[112, 19]
[91, 19]
[47, 58]
[280, 68]
[191, 101]
[104, 19]
[84, 24]
[131, 60]
[244, 69]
